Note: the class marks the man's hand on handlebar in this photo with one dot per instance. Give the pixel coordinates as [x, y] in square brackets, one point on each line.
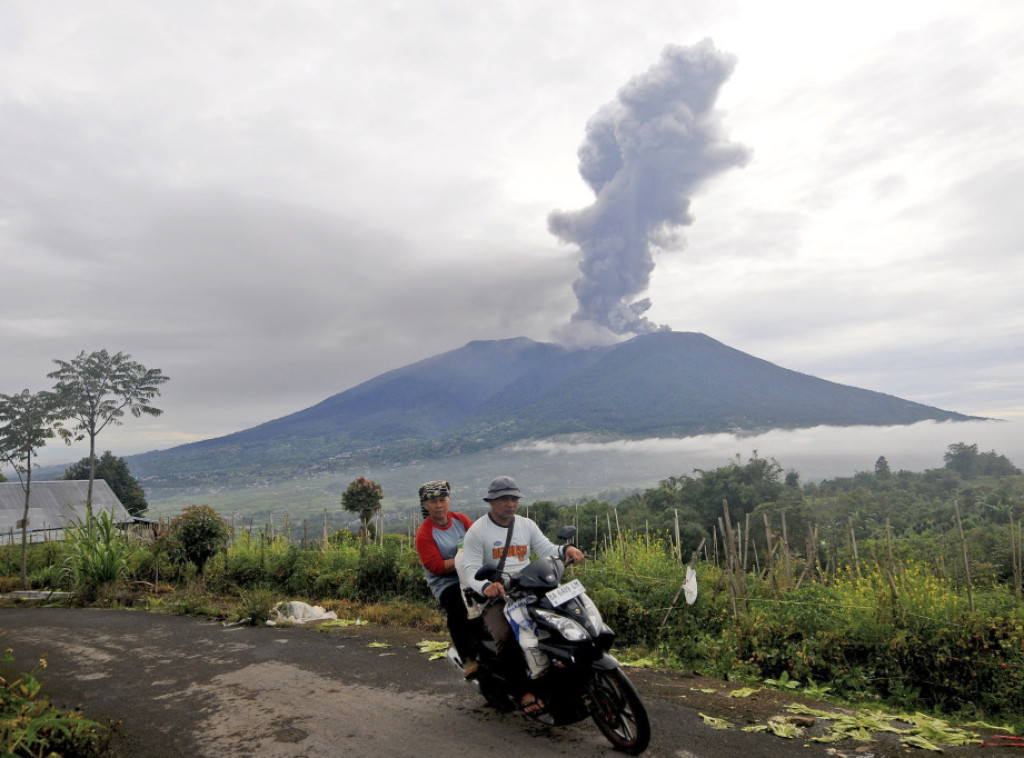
[494, 590]
[573, 555]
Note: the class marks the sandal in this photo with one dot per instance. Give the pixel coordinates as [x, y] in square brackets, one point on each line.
[532, 705]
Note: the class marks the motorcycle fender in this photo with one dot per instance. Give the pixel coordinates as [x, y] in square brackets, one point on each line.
[605, 663]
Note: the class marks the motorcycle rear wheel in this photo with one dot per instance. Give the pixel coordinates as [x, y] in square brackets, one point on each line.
[618, 712]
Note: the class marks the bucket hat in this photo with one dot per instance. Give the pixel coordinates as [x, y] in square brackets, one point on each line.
[502, 486]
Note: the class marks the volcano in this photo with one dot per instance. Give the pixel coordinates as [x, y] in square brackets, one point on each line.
[487, 394]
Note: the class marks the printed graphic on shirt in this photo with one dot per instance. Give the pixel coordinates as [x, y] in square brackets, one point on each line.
[519, 552]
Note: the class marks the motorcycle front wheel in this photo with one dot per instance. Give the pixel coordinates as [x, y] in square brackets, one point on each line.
[616, 709]
[495, 694]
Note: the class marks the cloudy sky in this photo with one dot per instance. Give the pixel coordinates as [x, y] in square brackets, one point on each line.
[274, 201]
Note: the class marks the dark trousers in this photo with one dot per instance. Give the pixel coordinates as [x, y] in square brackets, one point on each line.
[509, 653]
[459, 626]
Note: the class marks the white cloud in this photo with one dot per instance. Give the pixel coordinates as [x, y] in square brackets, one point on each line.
[821, 453]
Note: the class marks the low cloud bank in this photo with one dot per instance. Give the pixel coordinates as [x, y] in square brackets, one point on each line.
[819, 453]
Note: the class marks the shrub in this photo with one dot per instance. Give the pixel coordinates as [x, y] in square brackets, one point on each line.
[387, 571]
[255, 606]
[198, 534]
[97, 556]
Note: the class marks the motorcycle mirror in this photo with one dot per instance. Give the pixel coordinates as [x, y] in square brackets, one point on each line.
[485, 573]
[566, 533]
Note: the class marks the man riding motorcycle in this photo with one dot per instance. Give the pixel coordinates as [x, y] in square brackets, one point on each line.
[503, 539]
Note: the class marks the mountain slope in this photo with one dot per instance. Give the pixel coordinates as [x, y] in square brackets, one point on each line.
[680, 384]
[489, 393]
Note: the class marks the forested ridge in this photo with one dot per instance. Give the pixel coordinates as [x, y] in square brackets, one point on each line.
[918, 508]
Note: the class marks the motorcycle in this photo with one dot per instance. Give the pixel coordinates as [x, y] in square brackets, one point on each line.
[583, 679]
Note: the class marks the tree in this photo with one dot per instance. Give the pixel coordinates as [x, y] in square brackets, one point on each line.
[95, 390]
[114, 471]
[963, 459]
[744, 487]
[26, 423]
[994, 464]
[882, 470]
[199, 533]
[363, 496]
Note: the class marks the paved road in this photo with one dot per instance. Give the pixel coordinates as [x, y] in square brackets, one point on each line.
[192, 687]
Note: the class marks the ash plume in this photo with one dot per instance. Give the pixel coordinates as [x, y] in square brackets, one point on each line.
[644, 155]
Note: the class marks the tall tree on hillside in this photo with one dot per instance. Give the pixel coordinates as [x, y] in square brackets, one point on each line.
[363, 496]
[114, 471]
[96, 389]
[26, 423]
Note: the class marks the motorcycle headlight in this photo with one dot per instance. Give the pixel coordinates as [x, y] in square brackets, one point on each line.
[593, 615]
[565, 626]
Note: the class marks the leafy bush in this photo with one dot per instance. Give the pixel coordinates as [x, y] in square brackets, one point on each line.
[96, 556]
[198, 534]
[387, 571]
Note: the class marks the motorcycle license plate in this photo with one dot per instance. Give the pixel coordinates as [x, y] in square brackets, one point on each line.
[566, 592]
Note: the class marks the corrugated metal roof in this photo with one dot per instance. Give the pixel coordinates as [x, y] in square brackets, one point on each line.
[53, 504]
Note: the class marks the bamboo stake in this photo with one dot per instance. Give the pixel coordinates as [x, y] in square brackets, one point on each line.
[770, 554]
[963, 546]
[888, 542]
[672, 605]
[815, 555]
[622, 542]
[727, 571]
[678, 547]
[785, 553]
[853, 542]
[808, 562]
[1013, 554]
[746, 542]
[1020, 557]
[733, 555]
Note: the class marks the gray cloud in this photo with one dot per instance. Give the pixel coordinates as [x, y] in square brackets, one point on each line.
[644, 156]
[274, 205]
